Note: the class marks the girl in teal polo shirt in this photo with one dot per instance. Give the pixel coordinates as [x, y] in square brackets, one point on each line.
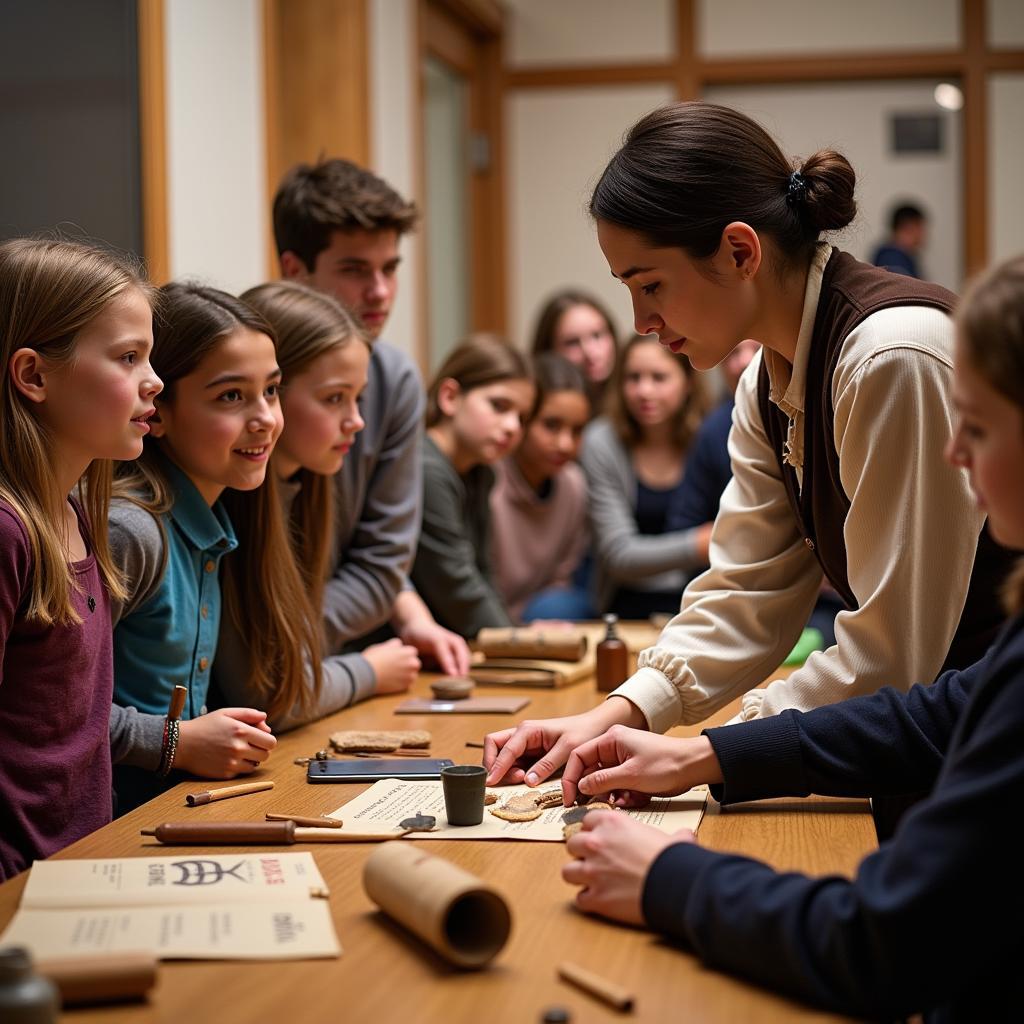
[216, 425]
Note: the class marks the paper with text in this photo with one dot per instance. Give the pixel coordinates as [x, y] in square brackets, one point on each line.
[386, 803]
[299, 929]
[184, 878]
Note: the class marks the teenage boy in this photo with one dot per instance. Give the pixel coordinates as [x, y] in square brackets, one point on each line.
[337, 228]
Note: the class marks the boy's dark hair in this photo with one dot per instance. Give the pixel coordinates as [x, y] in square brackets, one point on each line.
[334, 195]
[906, 213]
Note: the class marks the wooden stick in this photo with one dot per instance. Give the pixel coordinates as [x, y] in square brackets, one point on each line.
[207, 796]
[303, 819]
[475, 744]
[597, 986]
[177, 703]
[259, 833]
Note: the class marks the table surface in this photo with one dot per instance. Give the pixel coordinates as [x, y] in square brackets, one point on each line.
[384, 974]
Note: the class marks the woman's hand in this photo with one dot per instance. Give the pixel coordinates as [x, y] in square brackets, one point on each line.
[224, 743]
[613, 855]
[532, 750]
[633, 765]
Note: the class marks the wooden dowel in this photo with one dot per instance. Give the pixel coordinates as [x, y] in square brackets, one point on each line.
[476, 745]
[177, 703]
[116, 977]
[597, 986]
[209, 795]
[303, 819]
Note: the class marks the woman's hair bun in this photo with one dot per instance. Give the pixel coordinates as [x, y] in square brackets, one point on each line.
[829, 204]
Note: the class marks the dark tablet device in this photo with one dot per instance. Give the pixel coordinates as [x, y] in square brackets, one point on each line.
[413, 769]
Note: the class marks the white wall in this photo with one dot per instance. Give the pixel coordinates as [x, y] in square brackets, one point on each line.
[1006, 158]
[753, 28]
[394, 63]
[853, 118]
[577, 32]
[1005, 24]
[559, 141]
[216, 147]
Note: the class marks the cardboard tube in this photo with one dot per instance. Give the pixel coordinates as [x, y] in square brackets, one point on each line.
[119, 977]
[548, 645]
[455, 913]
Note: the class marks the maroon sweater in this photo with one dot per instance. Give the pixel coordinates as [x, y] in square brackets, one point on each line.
[56, 683]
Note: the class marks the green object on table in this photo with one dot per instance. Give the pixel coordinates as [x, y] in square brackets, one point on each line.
[810, 641]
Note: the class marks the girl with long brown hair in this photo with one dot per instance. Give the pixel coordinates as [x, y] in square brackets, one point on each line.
[76, 391]
[476, 405]
[634, 459]
[324, 355]
[204, 469]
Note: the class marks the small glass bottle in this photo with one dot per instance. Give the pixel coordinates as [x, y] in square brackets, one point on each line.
[612, 658]
[25, 997]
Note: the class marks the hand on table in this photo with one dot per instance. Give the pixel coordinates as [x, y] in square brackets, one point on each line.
[448, 649]
[224, 743]
[532, 750]
[394, 664]
[632, 766]
[613, 855]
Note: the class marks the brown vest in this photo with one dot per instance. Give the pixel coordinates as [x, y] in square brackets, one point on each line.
[850, 292]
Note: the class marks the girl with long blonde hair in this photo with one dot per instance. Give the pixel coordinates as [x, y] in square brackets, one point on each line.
[76, 391]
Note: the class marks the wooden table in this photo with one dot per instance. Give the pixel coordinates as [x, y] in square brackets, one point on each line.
[385, 975]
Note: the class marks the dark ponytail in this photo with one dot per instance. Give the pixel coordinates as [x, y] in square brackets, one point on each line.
[687, 170]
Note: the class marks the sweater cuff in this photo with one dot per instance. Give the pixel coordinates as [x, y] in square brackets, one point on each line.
[670, 879]
[656, 697]
[139, 740]
[761, 758]
[364, 679]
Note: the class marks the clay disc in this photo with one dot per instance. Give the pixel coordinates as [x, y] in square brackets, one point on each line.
[450, 688]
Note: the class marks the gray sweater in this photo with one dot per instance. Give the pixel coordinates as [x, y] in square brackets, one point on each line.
[452, 569]
[344, 678]
[622, 555]
[137, 549]
[379, 501]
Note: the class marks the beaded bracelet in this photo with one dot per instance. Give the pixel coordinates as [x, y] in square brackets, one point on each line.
[172, 733]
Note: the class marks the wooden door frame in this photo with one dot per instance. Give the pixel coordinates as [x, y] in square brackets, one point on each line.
[467, 35]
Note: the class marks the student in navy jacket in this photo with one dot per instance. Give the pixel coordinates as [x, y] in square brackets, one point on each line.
[915, 930]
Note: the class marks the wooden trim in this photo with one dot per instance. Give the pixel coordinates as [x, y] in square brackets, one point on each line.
[688, 83]
[153, 139]
[488, 309]
[975, 144]
[1004, 60]
[447, 39]
[832, 67]
[483, 17]
[319, 73]
[604, 74]
[420, 177]
[272, 124]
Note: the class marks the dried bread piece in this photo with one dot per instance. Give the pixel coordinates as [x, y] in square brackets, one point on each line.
[507, 813]
[572, 820]
[569, 830]
[549, 797]
[379, 741]
[490, 797]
